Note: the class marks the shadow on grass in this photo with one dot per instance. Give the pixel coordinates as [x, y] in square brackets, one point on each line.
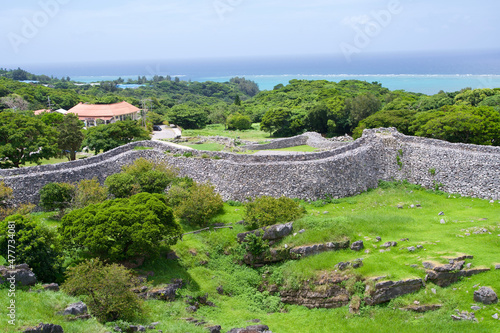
[165, 270]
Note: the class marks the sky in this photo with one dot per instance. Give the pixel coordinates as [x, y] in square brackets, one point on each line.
[69, 31]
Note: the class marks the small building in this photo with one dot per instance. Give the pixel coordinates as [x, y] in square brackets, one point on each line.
[95, 114]
[38, 112]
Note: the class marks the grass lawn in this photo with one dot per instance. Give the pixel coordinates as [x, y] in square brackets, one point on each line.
[206, 146]
[303, 148]
[210, 259]
[55, 160]
[254, 134]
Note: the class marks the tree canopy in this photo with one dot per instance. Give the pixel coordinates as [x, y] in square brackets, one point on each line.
[122, 228]
[25, 139]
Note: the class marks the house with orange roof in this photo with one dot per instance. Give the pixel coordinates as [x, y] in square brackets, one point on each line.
[94, 114]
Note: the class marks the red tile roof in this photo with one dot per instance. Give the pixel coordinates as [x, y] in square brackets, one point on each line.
[37, 112]
[103, 111]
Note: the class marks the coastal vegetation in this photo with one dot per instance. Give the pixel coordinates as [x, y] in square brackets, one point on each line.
[235, 109]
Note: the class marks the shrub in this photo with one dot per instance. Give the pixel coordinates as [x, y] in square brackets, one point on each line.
[238, 122]
[122, 185]
[140, 176]
[106, 288]
[56, 196]
[35, 245]
[201, 204]
[5, 195]
[122, 228]
[267, 210]
[89, 192]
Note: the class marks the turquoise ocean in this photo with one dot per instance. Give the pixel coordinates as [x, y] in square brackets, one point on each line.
[420, 73]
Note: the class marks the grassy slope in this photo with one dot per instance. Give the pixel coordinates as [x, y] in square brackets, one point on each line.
[363, 217]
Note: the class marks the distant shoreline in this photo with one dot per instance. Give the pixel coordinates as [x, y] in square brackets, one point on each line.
[418, 83]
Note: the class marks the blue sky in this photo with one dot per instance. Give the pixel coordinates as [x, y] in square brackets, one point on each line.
[59, 31]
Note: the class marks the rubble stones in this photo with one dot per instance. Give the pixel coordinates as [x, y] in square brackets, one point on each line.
[422, 308]
[272, 232]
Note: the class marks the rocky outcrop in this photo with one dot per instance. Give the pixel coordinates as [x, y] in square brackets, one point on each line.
[309, 250]
[326, 293]
[271, 233]
[45, 328]
[387, 290]
[444, 275]
[485, 295]
[269, 257]
[281, 254]
[21, 275]
[167, 293]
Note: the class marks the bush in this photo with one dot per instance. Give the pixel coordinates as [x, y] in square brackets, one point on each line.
[197, 204]
[106, 288]
[122, 228]
[239, 122]
[267, 210]
[122, 185]
[89, 192]
[56, 196]
[5, 195]
[35, 245]
[141, 176]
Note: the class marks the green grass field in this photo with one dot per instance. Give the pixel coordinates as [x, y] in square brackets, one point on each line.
[254, 134]
[209, 260]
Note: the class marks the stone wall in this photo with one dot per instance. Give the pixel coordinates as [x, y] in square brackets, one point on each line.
[312, 139]
[353, 168]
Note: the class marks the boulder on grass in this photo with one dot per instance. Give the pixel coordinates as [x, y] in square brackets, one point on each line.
[485, 295]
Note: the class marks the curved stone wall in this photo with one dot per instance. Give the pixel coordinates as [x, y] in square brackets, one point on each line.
[381, 154]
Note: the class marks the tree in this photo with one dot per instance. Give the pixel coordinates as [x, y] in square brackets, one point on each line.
[25, 139]
[56, 196]
[239, 122]
[121, 229]
[200, 205]
[188, 116]
[361, 107]
[237, 100]
[275, 119]
[320, 119]
[401, 119]
[15, 102]
[107, 137]
[70, 135]
[460, 123]
[266, 210]
[35, 245]
[107, 290]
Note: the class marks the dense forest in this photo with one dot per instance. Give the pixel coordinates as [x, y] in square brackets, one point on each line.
[332, 109]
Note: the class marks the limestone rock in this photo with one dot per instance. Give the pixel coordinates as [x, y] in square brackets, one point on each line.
[272, 232]
[422, 308]
[51, 287]
[357, 246]
[485, 295]
[22, 274]
[45, 328]
[167, 293]
[214, 329]
[387, 290]
[76, 309]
